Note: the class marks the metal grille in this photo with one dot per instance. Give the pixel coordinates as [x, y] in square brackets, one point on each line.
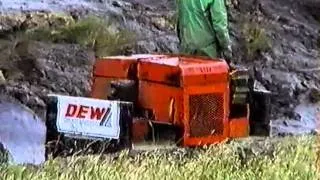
[206, 115]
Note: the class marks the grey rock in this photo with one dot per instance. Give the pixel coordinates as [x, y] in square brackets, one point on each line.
[2, 78]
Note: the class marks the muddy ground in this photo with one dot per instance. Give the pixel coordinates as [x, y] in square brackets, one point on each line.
[289, 68]
[288, 65]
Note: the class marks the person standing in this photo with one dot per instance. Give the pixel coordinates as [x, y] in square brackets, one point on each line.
[202, 28]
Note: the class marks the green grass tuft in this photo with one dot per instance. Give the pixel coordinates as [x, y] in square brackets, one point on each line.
[290, 158]
[256, 40]
[4, 156]
[91, 32]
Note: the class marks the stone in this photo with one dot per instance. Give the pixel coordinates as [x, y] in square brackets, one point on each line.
[2, 78]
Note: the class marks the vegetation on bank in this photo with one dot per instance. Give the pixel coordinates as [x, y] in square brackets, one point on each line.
[91, 32]
[256, 40]
[289, 158]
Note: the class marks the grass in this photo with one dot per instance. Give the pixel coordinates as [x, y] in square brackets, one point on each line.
[314, 95]
[290, 158]
[256, 40]
[173, 20]
[91, 32]
[3, 155]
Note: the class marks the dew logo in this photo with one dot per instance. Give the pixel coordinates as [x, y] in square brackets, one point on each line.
[89, 113]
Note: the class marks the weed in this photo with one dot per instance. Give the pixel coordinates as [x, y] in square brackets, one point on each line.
[91, 32]
[314, 95]
[256, 40]
[291, 158]
[173, 19]
[4, 156]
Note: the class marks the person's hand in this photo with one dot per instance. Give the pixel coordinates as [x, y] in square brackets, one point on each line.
[227, 54]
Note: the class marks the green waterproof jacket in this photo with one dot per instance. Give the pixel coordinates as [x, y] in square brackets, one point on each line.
[202, 27]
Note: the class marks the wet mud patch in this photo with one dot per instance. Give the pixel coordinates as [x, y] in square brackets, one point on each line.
[305, 123]
[22, 133]
[47, 5]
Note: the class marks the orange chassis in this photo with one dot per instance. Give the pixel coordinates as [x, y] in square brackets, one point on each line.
[192, 94]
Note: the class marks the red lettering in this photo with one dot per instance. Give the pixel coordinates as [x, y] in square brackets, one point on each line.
[71, 111]
[97, 113]
[82, 111]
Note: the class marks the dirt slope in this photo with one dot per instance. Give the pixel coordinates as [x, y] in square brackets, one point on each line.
[289, 67]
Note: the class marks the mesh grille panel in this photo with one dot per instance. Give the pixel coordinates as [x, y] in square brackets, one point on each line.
[206, 115]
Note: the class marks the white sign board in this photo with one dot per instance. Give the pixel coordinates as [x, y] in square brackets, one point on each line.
[81, 116]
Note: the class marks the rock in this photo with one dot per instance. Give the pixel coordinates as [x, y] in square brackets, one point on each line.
[314, 95]
[59, 68]
[22, 133]
[21, 21]
[2, 79]
[11, 22]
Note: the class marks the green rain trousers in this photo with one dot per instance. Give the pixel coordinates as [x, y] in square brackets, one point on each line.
[202, 27]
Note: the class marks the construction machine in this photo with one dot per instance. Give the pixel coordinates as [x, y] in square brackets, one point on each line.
[191, 101]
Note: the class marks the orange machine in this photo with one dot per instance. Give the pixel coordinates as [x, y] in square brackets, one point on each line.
[192, 94]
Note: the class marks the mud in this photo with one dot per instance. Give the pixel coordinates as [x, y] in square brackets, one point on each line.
[288, 69]
[22, 133]
[46, 68]
[305, 124]
[45, 5]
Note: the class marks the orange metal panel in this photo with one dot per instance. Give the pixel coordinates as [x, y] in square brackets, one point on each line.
[120, 66]
[194, 57]
[203, 73]
[163, 100]
[239, 127]
[215, 113]
[181, 71]
[211, 88]
[203, 141]
[154, 72]
[115, 68]
[204, 79]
